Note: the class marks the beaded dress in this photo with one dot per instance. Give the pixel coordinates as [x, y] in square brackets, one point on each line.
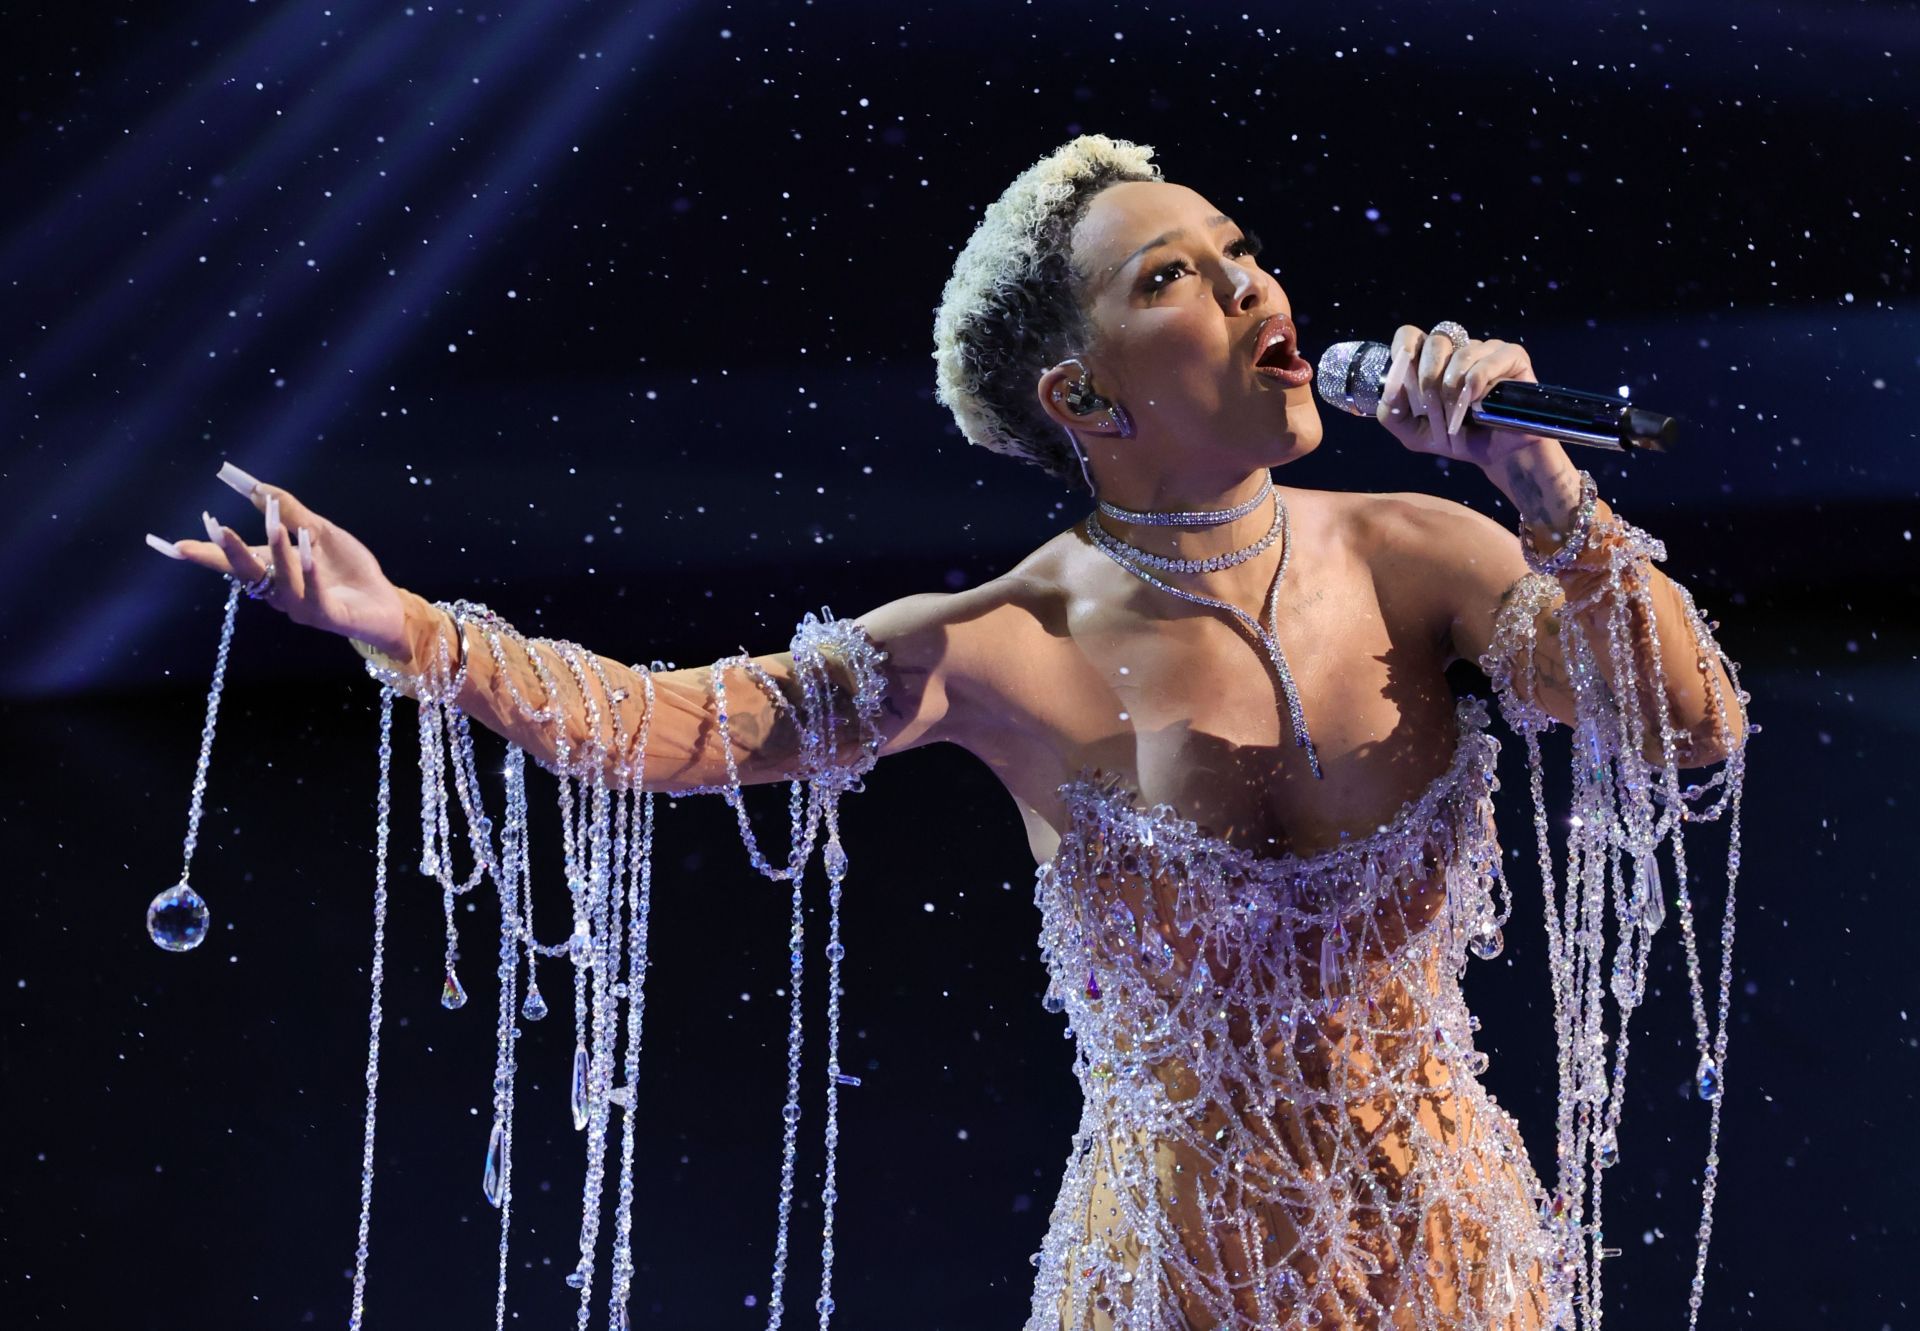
[1282, 1125]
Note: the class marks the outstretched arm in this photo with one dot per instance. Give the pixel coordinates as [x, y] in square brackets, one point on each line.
[570, 708]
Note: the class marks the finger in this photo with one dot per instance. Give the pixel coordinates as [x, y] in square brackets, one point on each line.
[1496, 361]
[239, 481]
[1453, 380]
[204, 554]
[292, 511]
[242, 562]
[1435, 351]
[1395, 410]
[259, 493]
[289, 581]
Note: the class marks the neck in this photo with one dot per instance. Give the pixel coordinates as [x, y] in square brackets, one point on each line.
[1186, 493]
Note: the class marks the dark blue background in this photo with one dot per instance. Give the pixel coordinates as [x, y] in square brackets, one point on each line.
[618, 317]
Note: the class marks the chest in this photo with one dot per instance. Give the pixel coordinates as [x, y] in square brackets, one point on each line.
[1180, 701]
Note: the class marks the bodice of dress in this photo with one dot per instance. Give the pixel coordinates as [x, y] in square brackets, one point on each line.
[1282, 1126]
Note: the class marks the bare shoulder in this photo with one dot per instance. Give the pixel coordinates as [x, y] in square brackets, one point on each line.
[952, 622]
[953, 657]
[1409, 533]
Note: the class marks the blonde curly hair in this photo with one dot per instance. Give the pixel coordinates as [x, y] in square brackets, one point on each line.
[1011, 307]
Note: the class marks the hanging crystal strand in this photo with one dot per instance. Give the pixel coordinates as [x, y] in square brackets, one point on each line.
[632, 880]
[580, 952]
[177, 918]
[790, 1111]
[830, 778]
[383, 803]
[534, 1006]
[803, 820]
[835, 860]
[497, 1178]
[443, 728]
[599, 917]
[641, 884]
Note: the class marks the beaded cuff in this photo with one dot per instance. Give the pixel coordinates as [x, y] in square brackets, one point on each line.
[1576, 542]
[1515, 635]
[446, 675]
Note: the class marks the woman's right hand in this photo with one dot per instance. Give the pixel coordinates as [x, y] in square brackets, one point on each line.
[323, 577]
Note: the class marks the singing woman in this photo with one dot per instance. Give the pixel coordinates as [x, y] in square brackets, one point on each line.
[1261, 821]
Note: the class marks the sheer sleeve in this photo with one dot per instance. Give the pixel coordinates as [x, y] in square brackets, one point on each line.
[1582, 623]
[614, 736]
[806, 713]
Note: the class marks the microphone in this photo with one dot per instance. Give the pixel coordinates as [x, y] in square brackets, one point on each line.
[1350, 375]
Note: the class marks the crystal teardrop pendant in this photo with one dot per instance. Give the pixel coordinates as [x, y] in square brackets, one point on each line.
[490, 1181]
[1709, 1077]
[1608, 1152]
[1488, 945]
[534, 1007]
[451, 994]
[578, 1097]
[177, 919]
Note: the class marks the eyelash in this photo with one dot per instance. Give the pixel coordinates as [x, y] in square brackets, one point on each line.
[1248, 245]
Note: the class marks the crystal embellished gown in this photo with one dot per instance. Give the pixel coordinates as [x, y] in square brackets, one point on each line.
[1282, 1125]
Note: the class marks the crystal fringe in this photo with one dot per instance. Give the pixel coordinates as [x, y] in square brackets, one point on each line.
[1614, 810]
[607, 844]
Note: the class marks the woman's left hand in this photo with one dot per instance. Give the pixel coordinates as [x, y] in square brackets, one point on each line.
[1430, 384]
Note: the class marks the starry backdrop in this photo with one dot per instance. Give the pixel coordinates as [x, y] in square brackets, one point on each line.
[618, 317]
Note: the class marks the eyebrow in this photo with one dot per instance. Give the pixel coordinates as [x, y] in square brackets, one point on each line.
[1217, 221]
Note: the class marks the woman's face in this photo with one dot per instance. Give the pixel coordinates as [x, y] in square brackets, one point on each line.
[1177, 300]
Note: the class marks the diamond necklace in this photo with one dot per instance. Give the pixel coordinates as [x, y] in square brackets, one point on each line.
[1211, 563]
[1267, 635]
[1201, 517]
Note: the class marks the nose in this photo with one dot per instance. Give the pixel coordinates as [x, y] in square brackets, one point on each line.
[1246, 288]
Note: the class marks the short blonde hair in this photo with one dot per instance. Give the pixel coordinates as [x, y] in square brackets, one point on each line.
[1012, 305]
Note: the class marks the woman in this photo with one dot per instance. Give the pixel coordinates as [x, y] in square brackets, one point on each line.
[1261, 821]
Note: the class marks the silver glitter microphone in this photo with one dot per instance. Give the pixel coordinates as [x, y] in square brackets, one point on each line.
[1350, 375]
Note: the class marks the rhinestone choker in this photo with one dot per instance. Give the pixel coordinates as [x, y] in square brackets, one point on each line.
[1203, 517]
[1210, 564]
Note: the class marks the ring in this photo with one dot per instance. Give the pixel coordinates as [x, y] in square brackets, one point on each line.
[261, 585]
[1450, 330]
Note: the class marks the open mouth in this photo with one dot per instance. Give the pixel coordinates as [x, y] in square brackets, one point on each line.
[1276, 353]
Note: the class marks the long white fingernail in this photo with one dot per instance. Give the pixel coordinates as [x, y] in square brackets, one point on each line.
[273, 516]
[1392, 381]
[213, 528]
[167, 548]
[238, 479]
[306, 552]
[1459, 414]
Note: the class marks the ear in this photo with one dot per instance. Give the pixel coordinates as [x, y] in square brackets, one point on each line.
[1052, 392]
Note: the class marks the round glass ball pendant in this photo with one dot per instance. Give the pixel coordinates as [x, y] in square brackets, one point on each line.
[177, 919]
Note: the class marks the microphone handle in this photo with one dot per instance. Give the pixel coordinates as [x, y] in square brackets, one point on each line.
[1574, 417]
